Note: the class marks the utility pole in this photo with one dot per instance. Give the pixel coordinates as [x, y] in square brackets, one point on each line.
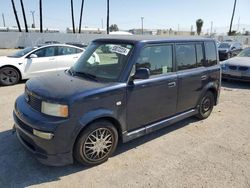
[107, 16]
[33, 25]
[80, 23]
[142, 19]
[102, 23]
[15, 13]
[3, 19]
[24, 17]
[41, 16]
[211, 29]
[231, 23]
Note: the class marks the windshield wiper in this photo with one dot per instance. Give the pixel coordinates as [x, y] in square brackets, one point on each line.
[85, 74]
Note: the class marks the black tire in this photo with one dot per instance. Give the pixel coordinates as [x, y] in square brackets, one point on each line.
[206, 105]
[88, 150]
[9, 76]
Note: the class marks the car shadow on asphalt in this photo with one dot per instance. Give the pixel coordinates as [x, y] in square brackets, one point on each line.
[20, 168]
[232, 84]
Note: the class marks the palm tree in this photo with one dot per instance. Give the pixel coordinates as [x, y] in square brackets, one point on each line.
[24, 17]
[41, 16]
[17, 20]
[107, 16]
[80, 23]
[199, 24]
[231, 23]
[72, 15]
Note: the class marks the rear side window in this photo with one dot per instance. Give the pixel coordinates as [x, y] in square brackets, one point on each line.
[210, 54]
[185, 56]
[199, 55]
[158, 59]
[63, 50]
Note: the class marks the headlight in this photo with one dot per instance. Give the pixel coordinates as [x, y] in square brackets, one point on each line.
[223, 65]
[55, 109]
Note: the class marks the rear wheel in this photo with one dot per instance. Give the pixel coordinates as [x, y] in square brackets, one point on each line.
[206, 105]
[9, 76]
[96, 144]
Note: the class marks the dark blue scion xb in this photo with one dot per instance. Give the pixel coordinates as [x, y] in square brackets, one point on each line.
[120, 89]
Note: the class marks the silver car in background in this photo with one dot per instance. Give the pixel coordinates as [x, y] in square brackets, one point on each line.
[237, 68]
[229, 49]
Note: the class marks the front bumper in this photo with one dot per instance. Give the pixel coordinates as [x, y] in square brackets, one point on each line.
[56, 151]
[237, 78]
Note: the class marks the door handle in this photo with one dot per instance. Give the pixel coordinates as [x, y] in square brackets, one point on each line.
[75, 57]
[171, 84]
[51, 58]
[204, 77]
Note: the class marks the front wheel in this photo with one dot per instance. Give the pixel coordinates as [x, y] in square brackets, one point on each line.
[206, 105]
[9, 76]
[96, 144]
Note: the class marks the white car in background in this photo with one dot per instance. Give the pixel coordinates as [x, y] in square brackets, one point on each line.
[35, 61]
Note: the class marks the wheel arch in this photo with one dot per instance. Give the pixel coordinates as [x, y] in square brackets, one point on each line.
[212, 88]
[14, 67]
[110, 119]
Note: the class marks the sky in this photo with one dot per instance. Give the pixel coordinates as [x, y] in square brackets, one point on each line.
[158, 14]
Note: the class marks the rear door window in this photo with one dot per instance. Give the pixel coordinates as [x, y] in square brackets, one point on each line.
[199, 55]
[185, 56]
[211, 54]
[64, 50]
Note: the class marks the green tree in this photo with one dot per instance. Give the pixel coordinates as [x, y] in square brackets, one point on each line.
[199, 24]
[113, 27]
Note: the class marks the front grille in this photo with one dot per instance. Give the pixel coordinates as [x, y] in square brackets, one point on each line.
[243, 68]
[33, 100]
[232, 67]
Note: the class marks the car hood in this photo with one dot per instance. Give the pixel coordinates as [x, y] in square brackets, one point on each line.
[239, 61]
[223, 49]
[61, 86]
[5, 60]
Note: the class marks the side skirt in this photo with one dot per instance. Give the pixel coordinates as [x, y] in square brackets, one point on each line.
[127, 136]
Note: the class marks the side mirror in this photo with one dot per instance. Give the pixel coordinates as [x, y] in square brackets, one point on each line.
[33, 56]
[141, 73]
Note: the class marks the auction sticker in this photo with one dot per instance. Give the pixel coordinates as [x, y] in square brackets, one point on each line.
[120, 50]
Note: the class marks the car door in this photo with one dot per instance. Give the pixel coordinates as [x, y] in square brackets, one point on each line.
[67, 56]
[41, 61]
[152, 99]
[192, 75]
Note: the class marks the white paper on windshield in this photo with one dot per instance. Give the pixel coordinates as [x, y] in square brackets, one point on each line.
[164, 69]
[120, 50]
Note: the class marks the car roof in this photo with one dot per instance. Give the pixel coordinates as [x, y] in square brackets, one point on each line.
[150, 39]
[49, 45]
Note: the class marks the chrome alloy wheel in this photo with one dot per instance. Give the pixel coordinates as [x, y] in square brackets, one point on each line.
[98, 144]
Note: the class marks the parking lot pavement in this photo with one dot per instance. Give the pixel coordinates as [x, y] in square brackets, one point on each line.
[211, 153]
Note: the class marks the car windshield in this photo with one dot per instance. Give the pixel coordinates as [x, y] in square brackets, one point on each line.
[224, 45]
[245, 53]
[103, 61]
[22, 52]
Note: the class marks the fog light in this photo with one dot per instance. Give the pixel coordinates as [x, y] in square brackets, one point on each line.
[44, 135]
